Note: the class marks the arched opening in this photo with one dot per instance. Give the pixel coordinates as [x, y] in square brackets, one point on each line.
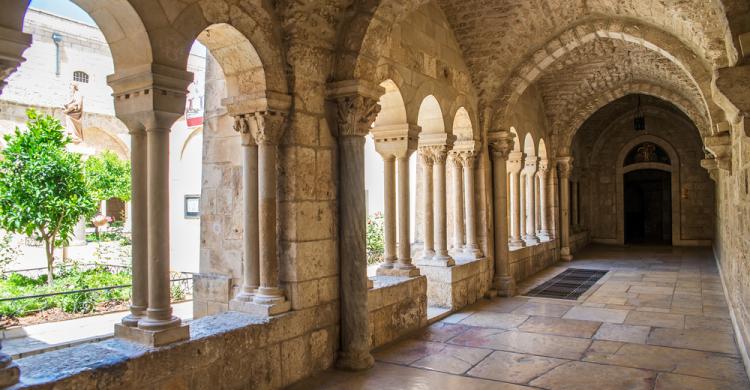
[647, 207]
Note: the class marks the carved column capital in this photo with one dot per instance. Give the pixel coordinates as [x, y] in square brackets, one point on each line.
[468, 157]
[515, 161]
[542, 167]
[439, 154]
[501, 144]
[267, 127]
[565, 165]
[425, 155]
[242, 126]
[454, 158]
[356, 106]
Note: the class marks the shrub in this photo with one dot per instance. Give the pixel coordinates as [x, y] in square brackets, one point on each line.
[375, 241]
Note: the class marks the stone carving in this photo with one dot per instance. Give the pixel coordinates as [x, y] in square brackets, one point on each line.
[501, 148]
[468, 157]
[267, 127]
[646, 153]
[73, 111]
[425, 156]
[439, 153]
[355, 115]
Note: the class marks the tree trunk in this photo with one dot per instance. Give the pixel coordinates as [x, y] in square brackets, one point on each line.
[49, 248]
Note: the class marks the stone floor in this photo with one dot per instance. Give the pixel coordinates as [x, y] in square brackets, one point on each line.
[657, 320]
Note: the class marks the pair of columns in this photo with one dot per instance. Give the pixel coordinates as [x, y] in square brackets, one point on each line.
[260, 292]
[501, 146]
[397, 259]
[528, 195]
[463, 204]
[565, 166]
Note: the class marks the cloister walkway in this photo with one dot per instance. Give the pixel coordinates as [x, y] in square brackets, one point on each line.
[658, 320]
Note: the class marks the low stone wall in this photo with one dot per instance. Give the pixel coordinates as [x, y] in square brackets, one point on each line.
[457, 286]
[234, 349]
[211, 294]
[529, 260]
[579, 240]
[397, 306]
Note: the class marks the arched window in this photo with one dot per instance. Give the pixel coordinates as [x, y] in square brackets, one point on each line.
[80, 77]
[647, 152]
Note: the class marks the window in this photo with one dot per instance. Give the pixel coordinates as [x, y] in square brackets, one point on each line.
[80, 77]
[192, 206]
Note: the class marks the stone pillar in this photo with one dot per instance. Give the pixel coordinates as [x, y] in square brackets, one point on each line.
[530, 238]
[514, 166]
[471, 248]
[458, 215]
[404, 223]
[501, 145]
[267, 128]
[439, 155]
[356, 109]
[425, 157]
[389, 220]
[544, 231]
[139, 227]
[565, 164]
[9, 372]
[250, 234]
[574, 206]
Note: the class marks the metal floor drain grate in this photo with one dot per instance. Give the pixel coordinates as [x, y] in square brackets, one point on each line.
[569, 284]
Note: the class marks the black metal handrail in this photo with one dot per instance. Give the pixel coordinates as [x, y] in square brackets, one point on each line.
[80, 291]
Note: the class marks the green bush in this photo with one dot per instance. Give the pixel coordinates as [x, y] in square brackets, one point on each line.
[375, 241]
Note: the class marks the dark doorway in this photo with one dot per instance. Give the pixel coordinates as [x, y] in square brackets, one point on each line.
[648, 207]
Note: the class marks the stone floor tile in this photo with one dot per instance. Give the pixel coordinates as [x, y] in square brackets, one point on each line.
[651, 300]
[625, 333]
[581, 375]
[661, 320]
[513, 367]
[716, 311]
[501, 305]
[542, 309]
[684, 382]
[708, 323]
[603, 346]
[407, 351]
[441, 331]
[700, 339]
[457, 317]
[390, 376]
[494, 320]
[560, 327]
[523, 342]
[596, 314]
[452, 359]
[609, 300]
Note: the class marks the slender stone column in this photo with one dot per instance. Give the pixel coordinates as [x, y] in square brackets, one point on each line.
[389, 186]
[514, 166]
[471, 248]
[440, 154]
[565, 164]
[425, 157]
[530, 238]
[267, 128]
[574, 206]
[404, 226]
[544, 232]
[139, 227]
[458, 215]
[357, 106]
[250, 234]
[501, 145]
[522, 205]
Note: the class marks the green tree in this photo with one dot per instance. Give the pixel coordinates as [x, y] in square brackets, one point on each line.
[42, 185]
[108, 176]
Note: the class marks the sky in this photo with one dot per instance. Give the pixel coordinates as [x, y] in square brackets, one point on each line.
[63, 8]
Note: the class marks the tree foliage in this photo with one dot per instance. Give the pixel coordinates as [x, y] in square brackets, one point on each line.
[42, 186]
[108, 176]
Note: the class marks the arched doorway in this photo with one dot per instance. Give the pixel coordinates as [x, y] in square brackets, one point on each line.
[648, 207]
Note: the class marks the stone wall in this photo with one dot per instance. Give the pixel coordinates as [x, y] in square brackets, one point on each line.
[529, 260]
[732, 244]
[397, 306]
[457, 286]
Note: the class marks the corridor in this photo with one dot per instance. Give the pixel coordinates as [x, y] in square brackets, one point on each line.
[657, 320]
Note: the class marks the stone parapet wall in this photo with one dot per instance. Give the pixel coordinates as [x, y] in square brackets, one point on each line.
[529, 260]
[457, 286]
[579, 240]
[397, 306]
[234, 349]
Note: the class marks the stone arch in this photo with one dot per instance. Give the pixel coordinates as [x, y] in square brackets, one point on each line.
[556, 49]
[462, 127]
[529, 148]
[542, 149]
[101, 140]
[392, 106]
[193, 133]
[516, 139]
[577, 119]
[430, 116]
[673, 168]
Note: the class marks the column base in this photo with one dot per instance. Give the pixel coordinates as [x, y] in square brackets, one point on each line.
[565, 254]
[399, 271]
[516, 243]
[355, 361]
[437, 261]
[153, 338]
[131, 320]
[259, 309]
[9, 371]
[506, 286]
[531, 240]
[473, 251]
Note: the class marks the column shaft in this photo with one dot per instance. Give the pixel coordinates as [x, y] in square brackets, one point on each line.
[389, 187]
[439, 200]
[458, 215]
[250, 244]
[427, 216]
[574, 206]
[515, 209]
[543, 212]
[404, 227]
[501, 147]
[139, 227]
[268, 292]
[470, 210]
[565, 165]
[531, 237]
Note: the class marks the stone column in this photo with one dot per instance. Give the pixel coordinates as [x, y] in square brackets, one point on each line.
[458, 215]
[440, 154]
[267, 128]
[250, 234]
[139, 227]
[425, 157]
[404, 223]
[544, 232]
[471, 248]
[501, 145]
[9, 372]
[389, 217]
[574, 205]
[514, 166]
[530, 238]
[356, 108]
[565, 164]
